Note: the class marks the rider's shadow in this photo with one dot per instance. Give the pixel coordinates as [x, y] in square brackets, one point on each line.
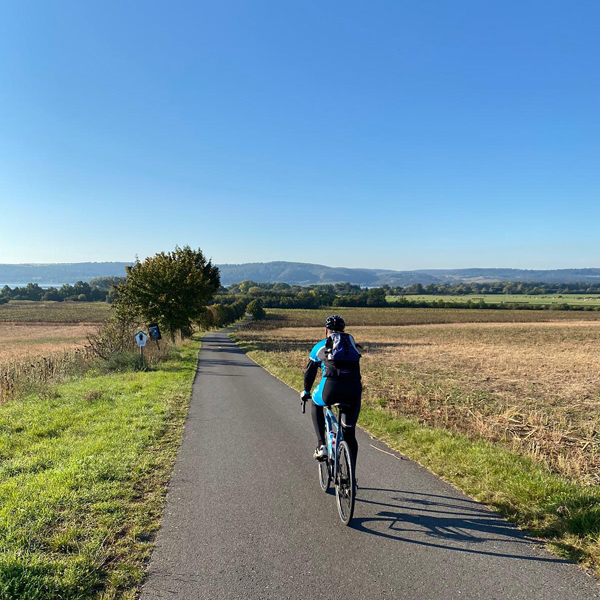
[432, 520]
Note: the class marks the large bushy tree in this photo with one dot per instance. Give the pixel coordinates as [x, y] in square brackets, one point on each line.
[170, 288]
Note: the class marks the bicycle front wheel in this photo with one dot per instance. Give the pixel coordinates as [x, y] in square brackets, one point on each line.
[344, 487]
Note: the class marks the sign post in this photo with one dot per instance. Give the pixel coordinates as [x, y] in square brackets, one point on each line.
[140, 338]
[154, 332]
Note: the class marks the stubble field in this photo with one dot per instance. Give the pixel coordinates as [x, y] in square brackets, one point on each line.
[54, 312]
[27, 340]
[586, 300]
[33, 329]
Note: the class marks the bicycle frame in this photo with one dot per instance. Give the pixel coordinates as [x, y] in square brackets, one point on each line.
[332, 425]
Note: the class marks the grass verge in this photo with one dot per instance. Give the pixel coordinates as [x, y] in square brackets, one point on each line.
[83, 479]
[564, 513]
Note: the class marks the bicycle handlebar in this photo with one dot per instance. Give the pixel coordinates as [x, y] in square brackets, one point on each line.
[303, 406]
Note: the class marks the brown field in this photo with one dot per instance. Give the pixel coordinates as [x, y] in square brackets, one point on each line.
[26, 340]
[17, 311]
[419, 316]
[531, 386]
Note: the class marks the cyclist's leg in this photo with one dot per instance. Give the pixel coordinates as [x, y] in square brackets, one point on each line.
[345, 392]
[349, 417]
[318, 418]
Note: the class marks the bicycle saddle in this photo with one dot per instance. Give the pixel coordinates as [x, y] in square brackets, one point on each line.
[341, 405]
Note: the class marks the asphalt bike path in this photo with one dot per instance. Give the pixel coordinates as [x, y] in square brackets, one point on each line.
[245, 517]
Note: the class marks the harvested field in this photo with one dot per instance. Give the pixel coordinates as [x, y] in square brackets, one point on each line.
[26, 340]
[54, 312]
[533, 387]
[418, 316]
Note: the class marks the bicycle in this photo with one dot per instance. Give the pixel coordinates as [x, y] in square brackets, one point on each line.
[337, 467]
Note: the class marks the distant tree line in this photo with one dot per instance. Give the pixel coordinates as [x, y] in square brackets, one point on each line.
[498, 287]
[282, 295]
[230, 302]
[79, 292]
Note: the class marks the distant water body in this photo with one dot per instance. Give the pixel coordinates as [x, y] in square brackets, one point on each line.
[42, 285]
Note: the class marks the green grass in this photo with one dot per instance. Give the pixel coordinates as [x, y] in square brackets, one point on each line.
[564, 513]
[83, 476]
[23, 311]
[540, 299]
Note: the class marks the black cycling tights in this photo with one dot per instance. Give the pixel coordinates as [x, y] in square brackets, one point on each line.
[343, 392]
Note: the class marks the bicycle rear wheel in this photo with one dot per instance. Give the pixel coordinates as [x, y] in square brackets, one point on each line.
[344, 486]
[324, 478]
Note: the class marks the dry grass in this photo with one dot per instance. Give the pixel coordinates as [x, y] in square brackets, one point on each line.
[533, 387]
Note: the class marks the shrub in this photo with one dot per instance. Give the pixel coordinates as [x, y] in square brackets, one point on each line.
[255, 308]
[125, 361]
[113, 337]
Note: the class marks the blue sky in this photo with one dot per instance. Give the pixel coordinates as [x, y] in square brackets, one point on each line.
[403, 135]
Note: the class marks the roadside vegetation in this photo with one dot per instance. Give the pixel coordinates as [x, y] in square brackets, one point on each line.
[89, 432]
[85, 466]
[506, 410]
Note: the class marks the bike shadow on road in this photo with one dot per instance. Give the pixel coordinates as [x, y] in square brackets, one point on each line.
[444, 522]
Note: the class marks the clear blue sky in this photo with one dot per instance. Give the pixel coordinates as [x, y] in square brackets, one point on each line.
[363, 133]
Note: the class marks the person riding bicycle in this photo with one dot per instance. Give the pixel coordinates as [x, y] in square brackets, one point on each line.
[338, 357]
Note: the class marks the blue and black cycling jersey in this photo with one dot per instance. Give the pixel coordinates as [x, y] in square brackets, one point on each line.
[318, 358]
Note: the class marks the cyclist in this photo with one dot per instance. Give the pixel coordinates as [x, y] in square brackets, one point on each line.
[340, 383]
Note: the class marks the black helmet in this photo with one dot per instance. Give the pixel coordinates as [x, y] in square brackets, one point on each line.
[335, 323]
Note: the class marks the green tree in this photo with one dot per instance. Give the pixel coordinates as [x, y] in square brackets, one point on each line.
[376, 297]
[255, 308]
[246, 285]
[170, 289]
[52, 294]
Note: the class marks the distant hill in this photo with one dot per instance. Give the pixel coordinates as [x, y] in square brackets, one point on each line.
[306, 273]
[299, 274]
[545, 276]
[59, 273]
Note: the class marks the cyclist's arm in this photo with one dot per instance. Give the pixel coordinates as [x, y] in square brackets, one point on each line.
[312, 368]
[310, 373]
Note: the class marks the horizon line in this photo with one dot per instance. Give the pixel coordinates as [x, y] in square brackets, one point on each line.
[108, 262]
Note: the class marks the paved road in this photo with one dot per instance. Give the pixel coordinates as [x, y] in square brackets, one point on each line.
[245, 517]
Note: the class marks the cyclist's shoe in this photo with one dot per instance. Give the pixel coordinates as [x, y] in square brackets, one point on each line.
[320, 453]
